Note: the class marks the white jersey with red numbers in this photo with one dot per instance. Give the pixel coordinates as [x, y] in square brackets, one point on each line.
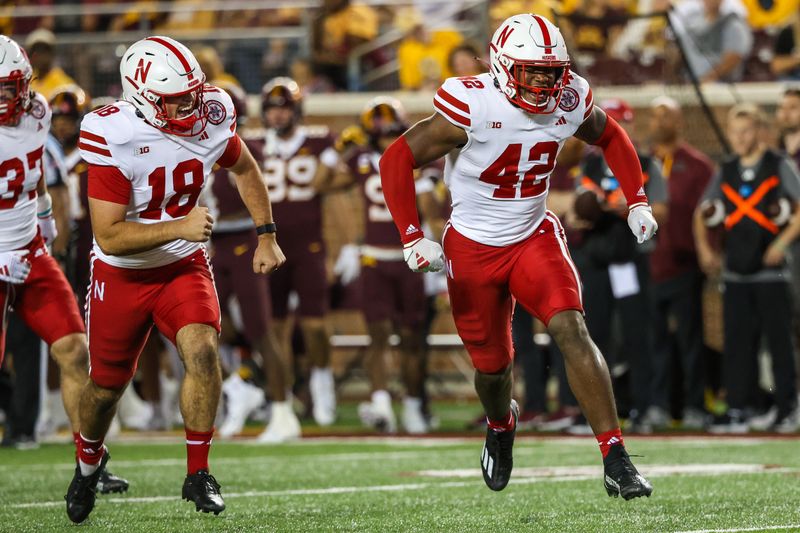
[21, 168]
[499, 179]
[167, 172]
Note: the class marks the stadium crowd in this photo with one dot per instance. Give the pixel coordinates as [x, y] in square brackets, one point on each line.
[684, 352]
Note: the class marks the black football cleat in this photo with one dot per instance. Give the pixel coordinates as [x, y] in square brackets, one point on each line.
[82, 492]
[202, 489]
[108, 483]
[496, 459]
[621, 477]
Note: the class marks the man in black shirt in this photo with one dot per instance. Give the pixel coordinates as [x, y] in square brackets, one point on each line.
[753, 195]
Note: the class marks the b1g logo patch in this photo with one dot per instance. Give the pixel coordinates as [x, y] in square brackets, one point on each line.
[215, 112]
[569, 99]
[37, 109]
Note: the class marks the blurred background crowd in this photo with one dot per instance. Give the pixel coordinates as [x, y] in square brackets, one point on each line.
[656, 311]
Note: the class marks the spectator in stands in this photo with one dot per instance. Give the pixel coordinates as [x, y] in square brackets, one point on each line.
[141, 15]
[24, 25]
[193, 18]
[786, 62]
[338, 28]
[595, 26]
[465, 60]
[756, 300]
[212, 66]
[676, 277]
[423, 54]
[715, 36]
[787, 117]
[500, 10]
[47, 77]
[310, 82]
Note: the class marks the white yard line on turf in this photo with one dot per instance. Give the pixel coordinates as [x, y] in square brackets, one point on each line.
[323, 457]
[742, 529]
[233, 460]
[367, 488]
[692, 469]
[311, 492]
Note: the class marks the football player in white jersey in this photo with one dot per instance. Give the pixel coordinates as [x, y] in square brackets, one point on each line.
[30, 278]
[148, 156]
[503, 130]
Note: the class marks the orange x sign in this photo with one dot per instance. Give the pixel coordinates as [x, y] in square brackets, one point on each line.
[747, 207]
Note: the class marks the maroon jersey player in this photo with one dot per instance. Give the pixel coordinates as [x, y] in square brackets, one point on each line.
[296, 159]
[394, 299]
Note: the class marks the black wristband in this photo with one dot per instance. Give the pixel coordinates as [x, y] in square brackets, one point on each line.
[267, 228]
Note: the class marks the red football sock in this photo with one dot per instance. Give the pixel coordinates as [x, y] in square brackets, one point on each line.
[198, 443]
[608, 439]
[89, 451]
[502, 425]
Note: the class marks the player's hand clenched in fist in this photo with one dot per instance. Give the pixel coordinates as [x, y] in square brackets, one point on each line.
[196, 226]
[424, 255]
[642, 222]
[268, 256]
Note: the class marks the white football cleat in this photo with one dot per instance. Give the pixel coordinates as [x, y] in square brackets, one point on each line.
[378, 413]
[283, 425]
[323, 395]
[242, 399]
[413, 420]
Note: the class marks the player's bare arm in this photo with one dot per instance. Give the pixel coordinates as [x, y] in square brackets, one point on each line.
[776, 253]
[432, 138]
[253, 190]
[117, 236]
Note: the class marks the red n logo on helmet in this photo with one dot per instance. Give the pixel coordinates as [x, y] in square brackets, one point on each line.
[142, 70]
[504, 35]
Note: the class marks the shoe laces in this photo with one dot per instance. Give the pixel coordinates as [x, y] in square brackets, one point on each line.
[623, 465]
[209, 481]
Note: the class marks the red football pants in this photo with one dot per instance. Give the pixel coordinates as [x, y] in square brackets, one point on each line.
[484, 282]
[124, 303]
[45, 302]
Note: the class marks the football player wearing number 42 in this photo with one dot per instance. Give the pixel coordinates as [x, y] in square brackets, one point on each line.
[30, 279]
[148, 155]
[501, 244]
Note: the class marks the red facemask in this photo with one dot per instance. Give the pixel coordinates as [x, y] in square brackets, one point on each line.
[540, 100]
[11, 109]
[189, 125]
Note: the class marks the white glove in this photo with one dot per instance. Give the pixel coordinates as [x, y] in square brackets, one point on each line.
[348, 264]
[47, 225]
[14, 267]
[642, 222]
[424, 255]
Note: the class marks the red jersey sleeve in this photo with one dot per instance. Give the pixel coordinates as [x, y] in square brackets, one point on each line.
[109, 184]
[232, 152]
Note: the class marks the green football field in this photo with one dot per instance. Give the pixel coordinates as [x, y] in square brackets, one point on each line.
[363, 483]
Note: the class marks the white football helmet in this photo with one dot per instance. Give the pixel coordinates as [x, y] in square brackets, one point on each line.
[523, 41]
[15, 80]
[159, 67]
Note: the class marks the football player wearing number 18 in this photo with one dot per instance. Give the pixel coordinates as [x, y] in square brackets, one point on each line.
[501, 244]
[148, 155]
